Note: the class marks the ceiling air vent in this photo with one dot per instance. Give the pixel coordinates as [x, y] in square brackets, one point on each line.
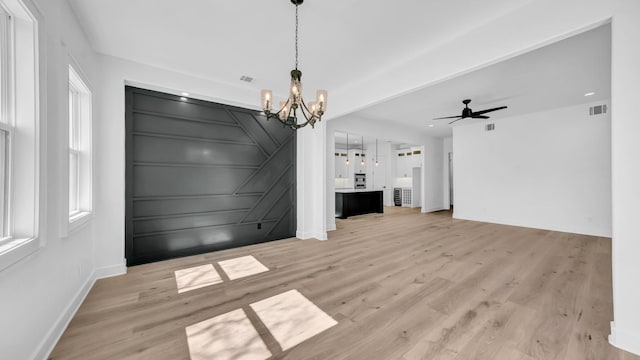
[490, 127]
[598, 109]
[246, 78]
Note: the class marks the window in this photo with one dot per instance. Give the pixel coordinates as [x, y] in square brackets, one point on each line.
[80, 187]
[19, 132]
[6, 123]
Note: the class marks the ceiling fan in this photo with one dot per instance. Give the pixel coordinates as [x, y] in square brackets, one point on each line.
[468, 113]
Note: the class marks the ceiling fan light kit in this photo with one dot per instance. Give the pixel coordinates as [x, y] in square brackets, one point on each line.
[469, 113]
[294, 105]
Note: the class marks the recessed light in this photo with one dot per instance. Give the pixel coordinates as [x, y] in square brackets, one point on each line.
[430, 125]
[185, 94]
[183, 98]
[589, 94]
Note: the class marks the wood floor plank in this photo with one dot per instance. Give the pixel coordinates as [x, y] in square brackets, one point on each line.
[401, 285]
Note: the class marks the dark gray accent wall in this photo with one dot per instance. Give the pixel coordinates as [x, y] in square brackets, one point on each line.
[202, 176]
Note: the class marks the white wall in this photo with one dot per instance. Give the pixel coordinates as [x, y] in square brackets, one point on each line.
[40, 293]
[548, 170]
[386, 149]
[447, 148]
[432, 189]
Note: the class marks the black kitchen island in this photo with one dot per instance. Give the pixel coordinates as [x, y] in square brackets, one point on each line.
[357, 202]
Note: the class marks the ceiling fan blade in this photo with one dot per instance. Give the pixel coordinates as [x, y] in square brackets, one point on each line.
[448, 117]
[456, 120]
[488, 110]
[480, 117]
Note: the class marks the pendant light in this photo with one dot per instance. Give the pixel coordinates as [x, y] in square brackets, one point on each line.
[377, 152]
[347, 162]
[362, 151]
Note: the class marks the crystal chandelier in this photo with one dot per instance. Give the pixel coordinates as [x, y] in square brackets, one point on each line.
[295, 105]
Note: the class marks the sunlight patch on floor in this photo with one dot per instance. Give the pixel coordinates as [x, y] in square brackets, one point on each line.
[241, 267]
[228, 336]
[196, 277]
[292, 318]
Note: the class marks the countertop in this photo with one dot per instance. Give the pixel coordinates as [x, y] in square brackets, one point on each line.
[344, 191]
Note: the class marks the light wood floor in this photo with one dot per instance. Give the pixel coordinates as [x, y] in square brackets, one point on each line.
[402, 285]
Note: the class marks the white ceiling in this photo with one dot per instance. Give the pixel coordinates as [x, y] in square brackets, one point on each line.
[342, 41]
[547, 78]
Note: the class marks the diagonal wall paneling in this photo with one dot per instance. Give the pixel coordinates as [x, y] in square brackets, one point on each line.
[203, 176]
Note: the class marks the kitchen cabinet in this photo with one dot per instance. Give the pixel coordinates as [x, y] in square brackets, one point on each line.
[358, 202]
[407, 159]
[416, 158]
[404, 163]
[340, 164]
[356, 164]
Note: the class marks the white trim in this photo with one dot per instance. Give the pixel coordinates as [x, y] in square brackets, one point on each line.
[25, 204]
[54, 334]
[432, 209]
[302, 235]
[112, 270]
[81, 115]
[625, 340]
[311, 235]
[78, 220]
[16, 250]
[331, 226]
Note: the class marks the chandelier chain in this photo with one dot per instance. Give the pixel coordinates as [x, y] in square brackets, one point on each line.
[296, 36]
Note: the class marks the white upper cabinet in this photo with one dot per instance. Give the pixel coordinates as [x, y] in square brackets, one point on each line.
[356, 163]
[407, 159]
[340, 157]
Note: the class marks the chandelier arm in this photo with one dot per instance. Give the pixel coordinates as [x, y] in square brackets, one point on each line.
[270, 114]
[311, 114]
[290, 121]
[301, 125]
[295, 125]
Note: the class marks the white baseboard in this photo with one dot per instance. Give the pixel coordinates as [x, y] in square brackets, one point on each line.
[302, 235]
[332, 226]
[53, 336]
[311, 235]
[433, 209]
[109, 271]
[625, 340]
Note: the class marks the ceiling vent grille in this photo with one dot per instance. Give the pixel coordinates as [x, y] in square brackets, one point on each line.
[246, 78]
[490, 127]
[598, 110]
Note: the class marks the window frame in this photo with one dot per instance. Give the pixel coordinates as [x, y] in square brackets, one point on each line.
[79, 147]
[20, 95]
[6, 122]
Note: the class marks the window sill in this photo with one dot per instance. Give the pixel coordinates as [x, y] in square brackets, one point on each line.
[14, 250]
[79, 219]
